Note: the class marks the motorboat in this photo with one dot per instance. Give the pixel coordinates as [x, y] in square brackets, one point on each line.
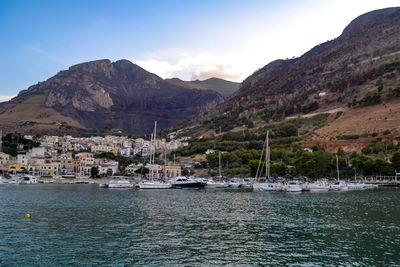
[233, 184]
[215, 184]
[120, 184]
[305, 186]
[293, 186]
[267, 186]
[318, 186]
[338, 186]
[28, 179]
[356, 186]
[245, 183]
[155, 185]
[183, 182]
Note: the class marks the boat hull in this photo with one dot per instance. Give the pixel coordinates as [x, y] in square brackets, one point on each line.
[296, 188]
[155, 185]
[265, 186]
[189, 185]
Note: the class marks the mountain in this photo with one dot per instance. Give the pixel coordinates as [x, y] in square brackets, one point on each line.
[224, 87]
[104, 95]
[357, 71]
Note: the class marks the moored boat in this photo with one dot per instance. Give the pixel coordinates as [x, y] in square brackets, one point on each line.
[267, 186]
[155, 185]
[318, 186]
[183, 182]
[28, 179]
[293, 186]
[356, 186]
[215, 184]
[120, 184]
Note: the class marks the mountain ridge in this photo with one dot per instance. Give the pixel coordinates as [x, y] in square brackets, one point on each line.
[114, 95]
[359, 68]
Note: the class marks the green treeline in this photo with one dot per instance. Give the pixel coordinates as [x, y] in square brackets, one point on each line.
[295, 161]
[14, 142]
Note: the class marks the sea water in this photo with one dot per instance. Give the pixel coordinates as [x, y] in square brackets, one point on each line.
[78, 225]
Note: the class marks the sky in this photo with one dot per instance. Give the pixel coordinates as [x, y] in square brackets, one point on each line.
[191, 40]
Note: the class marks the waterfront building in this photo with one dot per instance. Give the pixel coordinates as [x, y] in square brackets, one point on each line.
[4, 160]
[172, 171]
[22, 159]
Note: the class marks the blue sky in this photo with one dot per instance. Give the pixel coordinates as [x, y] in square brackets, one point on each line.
[186, 39]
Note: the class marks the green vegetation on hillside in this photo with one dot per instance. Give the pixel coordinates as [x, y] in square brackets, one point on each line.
[15, 142]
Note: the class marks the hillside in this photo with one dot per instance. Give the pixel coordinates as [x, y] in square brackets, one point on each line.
[103, 95]
[224, 87]
[353, 73]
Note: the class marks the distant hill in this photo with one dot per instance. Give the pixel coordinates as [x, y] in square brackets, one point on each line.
[224, 87]
[103, 95]
[356, 71]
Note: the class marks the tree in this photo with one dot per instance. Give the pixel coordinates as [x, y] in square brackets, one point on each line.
[396, 160]
[380, 166]
[142, 170]
[109, 172]
[94, 172]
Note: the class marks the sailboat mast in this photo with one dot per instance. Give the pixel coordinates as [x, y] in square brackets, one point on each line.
[337, 168]
[151, 156]
[219, 164]
[154, 140]
[267, 156]
[269, 160]
[165, 162]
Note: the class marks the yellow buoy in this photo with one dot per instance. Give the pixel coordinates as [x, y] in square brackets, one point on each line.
[27, 215]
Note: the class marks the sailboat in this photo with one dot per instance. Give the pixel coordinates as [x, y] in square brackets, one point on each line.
[217, 184]
[268, 185]
[154, 184]
[338, 185]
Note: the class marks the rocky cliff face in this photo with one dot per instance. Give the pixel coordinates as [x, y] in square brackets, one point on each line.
[106, 95]
[329, 75]
[353, 74]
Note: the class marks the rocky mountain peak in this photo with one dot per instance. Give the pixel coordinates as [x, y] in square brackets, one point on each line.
[102, 65]
[382, 19]
[103, 94]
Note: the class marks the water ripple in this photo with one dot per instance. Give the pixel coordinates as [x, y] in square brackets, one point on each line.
[84, 225]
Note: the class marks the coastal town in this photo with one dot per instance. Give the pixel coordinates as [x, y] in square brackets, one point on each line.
[79, 157]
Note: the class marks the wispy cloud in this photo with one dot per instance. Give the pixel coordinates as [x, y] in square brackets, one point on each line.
[35, 48]
[219, 71]
[4, 98]
[191, 67]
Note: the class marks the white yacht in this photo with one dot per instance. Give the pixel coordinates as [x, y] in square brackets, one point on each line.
[356, 186]
[120, 184]
[233, 184]
[215, 184]
[293, 186]
[267, 186]
[245, 183]
[318, 186]
[338, 186]
[155, 185]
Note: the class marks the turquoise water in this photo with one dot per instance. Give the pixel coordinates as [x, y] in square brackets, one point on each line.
[79, 225]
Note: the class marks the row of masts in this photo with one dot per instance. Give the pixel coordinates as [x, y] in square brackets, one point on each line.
[153, 143]
[267, 159]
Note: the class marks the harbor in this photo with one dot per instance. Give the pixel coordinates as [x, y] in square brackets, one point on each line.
[84, 224]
